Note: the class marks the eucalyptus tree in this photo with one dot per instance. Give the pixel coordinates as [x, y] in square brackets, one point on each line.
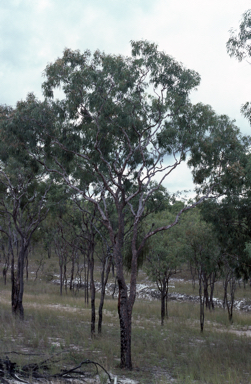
[4, 255]
[231, 220]
[239, 46]
[204, 254]
[165, 255]
[23, 195]
[104, 254]
[121, 122]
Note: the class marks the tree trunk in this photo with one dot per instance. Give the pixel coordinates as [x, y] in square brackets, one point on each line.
[212, 282]
[65, 275]
[5, 270]
[125, 304]
[27, 265]
[102, 296]
[92, 288]
[125, 327]
[87, 281]
[205, 284]
[17, 280]
[167, 285]
[163, 296]
[230, 304]
[72, 271]
[61, 277]
[202, 301]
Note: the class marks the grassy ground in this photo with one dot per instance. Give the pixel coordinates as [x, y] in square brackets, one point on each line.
[177, 350]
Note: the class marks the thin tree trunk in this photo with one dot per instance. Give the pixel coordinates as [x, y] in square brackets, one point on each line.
[102, 296]
[27, 265]
[163, 299]
[167, 286]
[87, 282]
[205, 285]
[72, 271]
[65, 276]
[212, 282]
[230, 305]
[61, 277]
[162, 307]
[202, 315]
[92, 288]
[5, 275]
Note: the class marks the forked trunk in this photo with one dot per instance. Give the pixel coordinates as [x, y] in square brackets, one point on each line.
[125, 304]
[125, 300]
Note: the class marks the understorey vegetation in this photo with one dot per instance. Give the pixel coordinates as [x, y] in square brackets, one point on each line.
[56, 329]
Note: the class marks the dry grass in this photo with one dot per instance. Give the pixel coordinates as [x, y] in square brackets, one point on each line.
[176, 350]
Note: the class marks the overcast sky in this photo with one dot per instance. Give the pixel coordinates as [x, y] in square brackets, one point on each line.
[35, 32]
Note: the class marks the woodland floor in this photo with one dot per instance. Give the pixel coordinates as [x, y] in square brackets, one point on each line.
[175, 353]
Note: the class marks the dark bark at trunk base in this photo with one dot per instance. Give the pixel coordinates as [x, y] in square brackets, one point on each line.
[162, 308]
[125, 330]
[18, 285]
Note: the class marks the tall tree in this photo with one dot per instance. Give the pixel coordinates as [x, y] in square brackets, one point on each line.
[122, 122]
[23, 195]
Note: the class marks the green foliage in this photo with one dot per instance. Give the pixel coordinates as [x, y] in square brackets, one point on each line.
[127, 250]
[219, 158]
[109, 113]
[165, 249]
[231, 219]
[238, 45]
[201, 244]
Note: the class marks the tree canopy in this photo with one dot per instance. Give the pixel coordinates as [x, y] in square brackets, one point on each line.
[239, 46]
[122, 125]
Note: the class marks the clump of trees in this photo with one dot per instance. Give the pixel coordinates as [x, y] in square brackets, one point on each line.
[165, 255]
[121, 124]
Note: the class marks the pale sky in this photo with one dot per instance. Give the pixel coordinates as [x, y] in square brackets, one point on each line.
[35, 32]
